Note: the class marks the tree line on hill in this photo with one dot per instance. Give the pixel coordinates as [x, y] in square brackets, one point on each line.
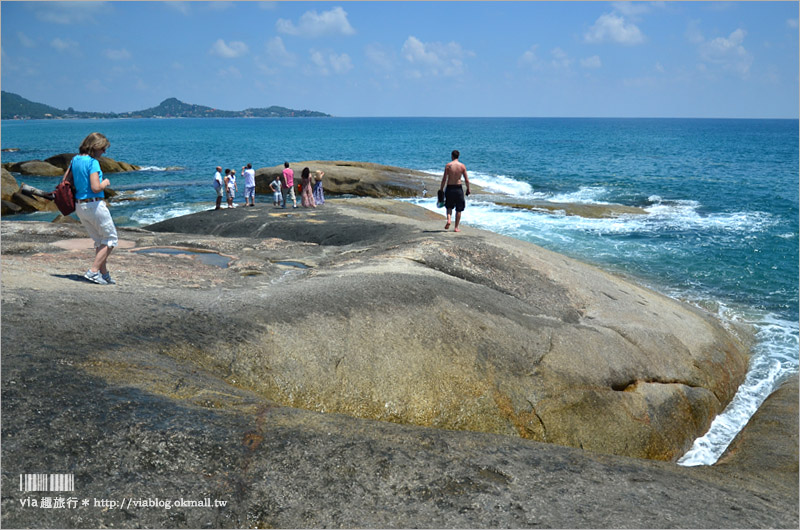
[15, 106]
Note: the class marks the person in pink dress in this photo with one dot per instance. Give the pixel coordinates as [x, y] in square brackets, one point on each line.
[307, 195]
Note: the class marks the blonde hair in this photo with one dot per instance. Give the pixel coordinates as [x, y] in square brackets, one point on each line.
[93, 142]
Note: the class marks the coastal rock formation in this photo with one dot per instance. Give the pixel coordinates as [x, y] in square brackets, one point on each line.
[366, 179]
[136, 410]
[395, 320]
[35, 167]
[107, 165]
[363, 179]
[16, 200]
[55, 166]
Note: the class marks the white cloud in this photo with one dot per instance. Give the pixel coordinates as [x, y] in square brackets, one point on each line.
[230, 73]
[792, 23]
[379, 57]
[693, 33]
[313, 24]
[560, 58]
[613, 28]
[277, 53]
[435, 58]
[64, 45]
[340, 63]
[327, 61]
[68, 12]
[118, 55]
[25, 40]
[634, 9]
[728, 52]
[529, 58]
[228, 51]
[592, 62]
[183, 8]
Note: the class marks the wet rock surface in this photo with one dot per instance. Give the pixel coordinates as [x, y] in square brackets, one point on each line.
[164, 386]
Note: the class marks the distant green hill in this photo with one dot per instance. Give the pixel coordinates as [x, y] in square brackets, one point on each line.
[17, 107]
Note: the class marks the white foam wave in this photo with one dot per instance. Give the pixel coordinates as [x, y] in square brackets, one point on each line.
[152, 168]
[502, 184]
[685, 215]
[585, 195]
[774, 360]
[157, 214]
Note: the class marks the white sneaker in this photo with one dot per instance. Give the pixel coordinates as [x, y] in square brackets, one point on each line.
[95, 277]
[108, 279]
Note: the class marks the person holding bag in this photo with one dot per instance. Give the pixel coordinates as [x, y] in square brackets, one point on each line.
[90, 206]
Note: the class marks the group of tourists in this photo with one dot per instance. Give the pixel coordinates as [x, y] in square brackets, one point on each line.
[89, 185]
[283, 187]
[227, 185]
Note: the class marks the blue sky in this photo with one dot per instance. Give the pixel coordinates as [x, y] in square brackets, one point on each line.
[570, 59]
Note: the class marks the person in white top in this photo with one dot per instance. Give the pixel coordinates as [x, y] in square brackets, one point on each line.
[249, 185]
[219, 186]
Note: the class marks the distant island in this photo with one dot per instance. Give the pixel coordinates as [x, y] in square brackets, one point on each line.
[15, 107]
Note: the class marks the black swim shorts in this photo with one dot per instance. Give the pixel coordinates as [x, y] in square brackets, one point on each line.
[454, 198]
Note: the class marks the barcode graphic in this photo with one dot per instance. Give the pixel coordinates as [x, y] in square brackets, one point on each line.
[47, 482]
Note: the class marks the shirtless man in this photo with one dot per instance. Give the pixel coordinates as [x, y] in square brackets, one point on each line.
[454, 194]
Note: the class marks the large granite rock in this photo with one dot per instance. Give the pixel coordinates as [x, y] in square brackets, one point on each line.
[363, 179]
[55, 166]
[14, 201]
[396, 320]
[38, 168]
[116, 390]
[107, 165]
[8, 185]
[366, 179]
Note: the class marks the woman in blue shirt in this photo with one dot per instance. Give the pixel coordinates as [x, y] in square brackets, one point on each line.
[90, 207]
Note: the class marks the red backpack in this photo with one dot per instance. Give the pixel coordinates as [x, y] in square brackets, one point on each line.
[64, 194]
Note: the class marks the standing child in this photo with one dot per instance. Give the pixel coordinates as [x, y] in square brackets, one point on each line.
[230, 186]
[275, 186]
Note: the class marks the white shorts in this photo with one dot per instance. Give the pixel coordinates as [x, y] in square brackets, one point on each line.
[97, 220]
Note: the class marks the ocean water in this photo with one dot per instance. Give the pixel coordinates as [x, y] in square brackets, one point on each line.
[722, 196]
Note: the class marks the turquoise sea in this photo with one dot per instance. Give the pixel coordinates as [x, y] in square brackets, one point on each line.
[722, 196]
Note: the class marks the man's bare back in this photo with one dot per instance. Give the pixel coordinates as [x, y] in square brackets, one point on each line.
[453, 172]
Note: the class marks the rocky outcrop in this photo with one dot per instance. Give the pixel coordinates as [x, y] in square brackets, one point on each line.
[107, 165]
[146, 408]
[473, 331]
[16, 200]
[362, 179]
[55, 166]
[589, 211]
[38, 168]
